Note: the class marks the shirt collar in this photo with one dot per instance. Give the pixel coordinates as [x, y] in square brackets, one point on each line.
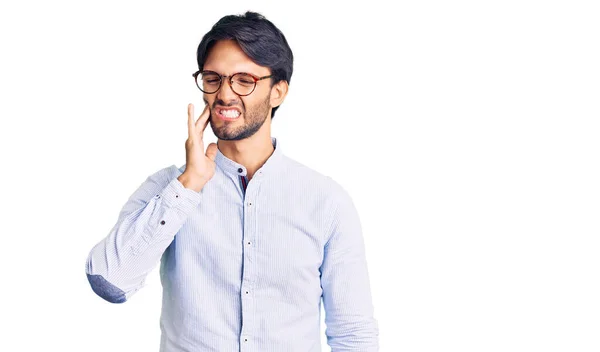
[231, 167]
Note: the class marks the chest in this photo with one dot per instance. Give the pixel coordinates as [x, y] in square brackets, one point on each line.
[266, 236]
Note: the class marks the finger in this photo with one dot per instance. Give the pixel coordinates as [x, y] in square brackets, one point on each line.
[191, 127]
[211, 151]
[203, 119]
[206, 123]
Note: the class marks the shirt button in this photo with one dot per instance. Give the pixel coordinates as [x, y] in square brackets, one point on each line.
[249, 242]
[162, 222]
[240, 170]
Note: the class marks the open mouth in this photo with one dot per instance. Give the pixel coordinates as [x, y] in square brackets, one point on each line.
[228, 114]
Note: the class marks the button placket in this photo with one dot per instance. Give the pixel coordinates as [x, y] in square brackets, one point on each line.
[247, 289]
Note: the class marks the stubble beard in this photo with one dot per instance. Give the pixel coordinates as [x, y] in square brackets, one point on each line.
[253, 118]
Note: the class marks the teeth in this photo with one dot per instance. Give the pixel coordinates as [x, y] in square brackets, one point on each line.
[230, 113]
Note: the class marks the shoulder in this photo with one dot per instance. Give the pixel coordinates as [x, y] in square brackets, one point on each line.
[331, 192]
[301, 173]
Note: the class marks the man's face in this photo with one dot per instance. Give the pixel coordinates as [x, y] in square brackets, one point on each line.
[227, 58]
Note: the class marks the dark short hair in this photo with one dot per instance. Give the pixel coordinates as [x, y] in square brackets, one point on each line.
[259, 39]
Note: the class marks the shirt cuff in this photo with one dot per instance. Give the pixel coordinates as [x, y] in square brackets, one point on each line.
[175, 195]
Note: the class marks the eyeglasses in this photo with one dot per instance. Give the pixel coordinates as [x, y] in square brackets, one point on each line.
[241, 83]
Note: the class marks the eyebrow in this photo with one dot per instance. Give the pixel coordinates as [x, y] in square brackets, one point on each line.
[251, 73]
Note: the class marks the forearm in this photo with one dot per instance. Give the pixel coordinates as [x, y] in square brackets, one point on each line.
[118, 265]
[349, 316]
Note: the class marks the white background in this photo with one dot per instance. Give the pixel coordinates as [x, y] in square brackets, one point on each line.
[466, 133]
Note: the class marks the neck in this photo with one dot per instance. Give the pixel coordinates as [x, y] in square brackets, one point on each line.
[251, 152]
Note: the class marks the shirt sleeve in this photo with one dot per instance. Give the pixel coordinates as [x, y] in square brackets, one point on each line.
[350, 325]
[117, 266]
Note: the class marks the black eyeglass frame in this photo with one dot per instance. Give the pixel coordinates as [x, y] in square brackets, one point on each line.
[256, 79]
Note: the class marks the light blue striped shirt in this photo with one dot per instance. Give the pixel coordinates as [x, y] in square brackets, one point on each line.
[244, 265]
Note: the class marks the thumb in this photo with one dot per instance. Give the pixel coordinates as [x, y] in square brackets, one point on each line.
[211, 151]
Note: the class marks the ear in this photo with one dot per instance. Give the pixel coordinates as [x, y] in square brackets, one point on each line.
[278, 93]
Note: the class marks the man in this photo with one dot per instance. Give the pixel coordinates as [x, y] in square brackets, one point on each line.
[249, 240]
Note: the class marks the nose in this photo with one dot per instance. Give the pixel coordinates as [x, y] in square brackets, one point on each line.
[225, 92]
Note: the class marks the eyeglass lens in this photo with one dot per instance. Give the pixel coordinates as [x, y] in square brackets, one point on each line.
[210, 82]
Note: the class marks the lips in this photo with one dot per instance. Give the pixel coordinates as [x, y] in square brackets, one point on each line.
[229, 116]
[219, 107]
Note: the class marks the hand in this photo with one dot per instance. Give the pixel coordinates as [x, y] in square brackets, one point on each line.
[200, 167]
